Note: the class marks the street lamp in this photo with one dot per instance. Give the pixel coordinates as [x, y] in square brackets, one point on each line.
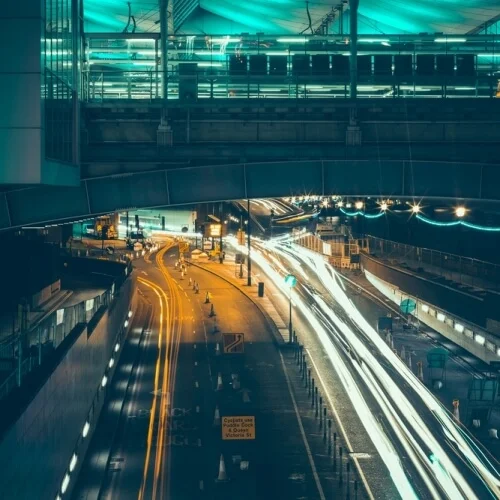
[291, 281]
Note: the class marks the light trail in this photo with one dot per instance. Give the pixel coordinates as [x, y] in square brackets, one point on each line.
[424, 447]
[378, 436]
[330, 280]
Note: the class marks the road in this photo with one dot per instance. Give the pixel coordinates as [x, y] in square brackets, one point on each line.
[428, 454]
[168, 437]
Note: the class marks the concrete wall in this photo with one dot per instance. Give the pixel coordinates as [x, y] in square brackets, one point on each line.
[237, 130]
[36, 450]
[21, 119]
[427, 313]
[471, 308]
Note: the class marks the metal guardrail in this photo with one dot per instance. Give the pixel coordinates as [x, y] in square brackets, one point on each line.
[52, 330]
[464, 270]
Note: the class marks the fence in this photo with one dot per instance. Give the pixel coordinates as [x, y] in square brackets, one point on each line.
[45, 336]
[465, 270]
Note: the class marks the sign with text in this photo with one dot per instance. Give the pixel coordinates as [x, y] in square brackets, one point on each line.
[234, 343]
[214, 230]
[238, 428]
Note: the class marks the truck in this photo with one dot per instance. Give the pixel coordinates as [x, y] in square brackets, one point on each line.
[105, 228]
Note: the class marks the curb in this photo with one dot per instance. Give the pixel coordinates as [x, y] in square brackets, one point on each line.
[277, 338]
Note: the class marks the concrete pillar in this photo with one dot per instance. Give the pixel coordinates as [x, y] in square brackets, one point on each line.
[353, 60]
[163, 6]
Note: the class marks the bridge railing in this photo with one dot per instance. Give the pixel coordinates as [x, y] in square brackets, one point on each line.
[103, 85]
[464, 270]
[129, 66]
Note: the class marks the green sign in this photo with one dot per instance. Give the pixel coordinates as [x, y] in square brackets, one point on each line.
[290, 280]
[407, 306]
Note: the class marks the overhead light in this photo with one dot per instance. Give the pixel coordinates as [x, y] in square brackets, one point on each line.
[72, 463]
[209, 64]
[359, 205]
[415, 209]
[225, 40]
[126, 323]
[498, 351]
[117, 347]
[292, 40]
[86, 429]
[104, 381]
[460, 211]
[459, 328]
[425, 308]
[130, 314]
[373, 40]
[340, 204]
[441, 317]
[348, 205]
[479, 339]
[384, 206]
[279, 53]
[65, 483]
[111, 363]
[445, 40]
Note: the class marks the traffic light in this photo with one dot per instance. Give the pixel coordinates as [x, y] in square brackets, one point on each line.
[137, 221]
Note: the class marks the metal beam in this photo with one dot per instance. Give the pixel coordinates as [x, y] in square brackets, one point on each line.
[353, 62]
[356, 178]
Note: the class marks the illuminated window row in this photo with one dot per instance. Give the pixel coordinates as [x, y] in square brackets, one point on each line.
[458, 327]
[86, 426]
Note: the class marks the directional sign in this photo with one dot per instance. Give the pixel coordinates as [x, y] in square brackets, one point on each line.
[234, 343]
[407, 306]
[238, 428]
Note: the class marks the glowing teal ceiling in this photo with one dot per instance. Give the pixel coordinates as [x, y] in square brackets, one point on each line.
[290, 16]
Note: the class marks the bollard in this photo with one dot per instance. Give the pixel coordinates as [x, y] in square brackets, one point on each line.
[340, 460]
[316, 404]
[298, 354]
[304, 378]
[329, 437]
[355, 489]
[324, 420]
[312, 393]
[348, 468]
[294, 336]
[334, 451]
[320, 412]
[309, 382]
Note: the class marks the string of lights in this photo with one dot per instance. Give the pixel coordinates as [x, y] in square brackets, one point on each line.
[358, 212]
[464, 223]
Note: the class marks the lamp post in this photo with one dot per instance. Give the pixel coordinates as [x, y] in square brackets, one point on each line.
[291, 281]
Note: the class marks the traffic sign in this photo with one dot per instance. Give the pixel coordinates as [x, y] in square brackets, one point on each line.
[238, 428]
[407, 306]
[234, 343]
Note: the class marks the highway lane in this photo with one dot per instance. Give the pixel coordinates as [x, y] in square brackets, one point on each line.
[166, 445]
[429, 466]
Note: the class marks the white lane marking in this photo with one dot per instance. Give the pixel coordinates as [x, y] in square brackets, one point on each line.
[196, 384]
[301, 427]
[196, 363]
[342, 430]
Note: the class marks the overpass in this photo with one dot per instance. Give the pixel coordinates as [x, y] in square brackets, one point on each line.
[184, 185]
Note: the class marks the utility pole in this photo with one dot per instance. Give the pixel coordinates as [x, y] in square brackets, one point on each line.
[353, 66]
[249, 260]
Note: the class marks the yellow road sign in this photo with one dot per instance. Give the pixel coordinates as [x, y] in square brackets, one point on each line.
[234, 343]
[238, 428]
